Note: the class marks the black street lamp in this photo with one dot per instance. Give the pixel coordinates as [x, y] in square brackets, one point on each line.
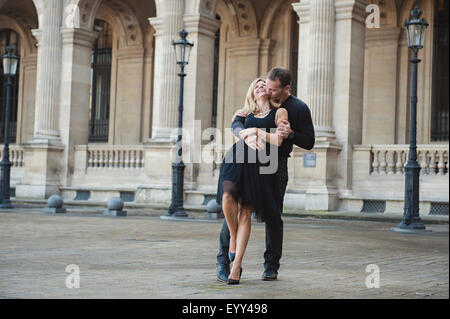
[10, 62]
[176, 209]
[415, 30]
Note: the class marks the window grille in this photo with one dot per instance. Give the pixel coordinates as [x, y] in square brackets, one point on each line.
[439, 209]
[374, 206]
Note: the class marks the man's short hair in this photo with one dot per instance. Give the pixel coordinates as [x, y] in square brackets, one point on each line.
[281, 74]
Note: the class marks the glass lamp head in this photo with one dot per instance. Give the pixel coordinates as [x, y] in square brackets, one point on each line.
[415, 29]
[10, 61]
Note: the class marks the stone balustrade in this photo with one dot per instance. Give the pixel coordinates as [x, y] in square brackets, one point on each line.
[118, 157]
[391, 159]
[378, 174]
[16, 153]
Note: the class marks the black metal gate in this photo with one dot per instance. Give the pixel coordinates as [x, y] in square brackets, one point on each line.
[101, 84]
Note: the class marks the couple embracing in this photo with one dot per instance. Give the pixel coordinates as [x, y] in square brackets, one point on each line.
[254, 174]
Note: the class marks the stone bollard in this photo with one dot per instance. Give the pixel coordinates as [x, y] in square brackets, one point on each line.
[214, 210]
[54, 205]
[115, 207]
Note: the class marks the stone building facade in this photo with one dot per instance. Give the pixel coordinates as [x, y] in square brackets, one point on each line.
[96, 96]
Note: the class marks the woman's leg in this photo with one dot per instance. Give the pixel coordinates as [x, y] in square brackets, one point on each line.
[243, 234]
[230, 210]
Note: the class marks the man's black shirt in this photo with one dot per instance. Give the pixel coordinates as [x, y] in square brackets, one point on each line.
[301, 123]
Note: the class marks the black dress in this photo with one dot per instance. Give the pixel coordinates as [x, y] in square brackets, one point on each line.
[251, 176]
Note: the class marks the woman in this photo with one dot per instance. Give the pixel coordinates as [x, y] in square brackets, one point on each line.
[243, 181]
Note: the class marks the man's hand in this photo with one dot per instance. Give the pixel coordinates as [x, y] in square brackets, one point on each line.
[239, 112]
[284, 129]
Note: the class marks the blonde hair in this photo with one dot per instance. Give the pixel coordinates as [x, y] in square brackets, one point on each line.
[250, 105]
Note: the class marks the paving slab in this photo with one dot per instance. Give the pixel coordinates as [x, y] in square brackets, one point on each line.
[144, 256]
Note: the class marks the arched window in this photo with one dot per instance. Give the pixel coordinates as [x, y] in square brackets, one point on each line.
[9, 37]
[439, 124]
[100, 83]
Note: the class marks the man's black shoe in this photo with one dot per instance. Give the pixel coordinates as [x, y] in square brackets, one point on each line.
[223, 272]
[269, 275]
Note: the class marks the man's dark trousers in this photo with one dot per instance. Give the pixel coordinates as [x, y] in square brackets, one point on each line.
[274, 229]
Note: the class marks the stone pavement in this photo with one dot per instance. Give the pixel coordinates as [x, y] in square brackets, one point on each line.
[143, 256]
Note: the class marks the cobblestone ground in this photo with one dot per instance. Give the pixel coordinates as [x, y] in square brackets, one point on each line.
[147, 257]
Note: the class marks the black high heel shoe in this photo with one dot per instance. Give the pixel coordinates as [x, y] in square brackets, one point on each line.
[234, 281]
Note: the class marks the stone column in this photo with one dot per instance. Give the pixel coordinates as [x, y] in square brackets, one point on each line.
[43, 153]
[303, 11]
[160, 148]
[48, 73]
[316, 89]
[75, 94]
[166, 82]
[198, 94]
[348, 85]
[321, 65]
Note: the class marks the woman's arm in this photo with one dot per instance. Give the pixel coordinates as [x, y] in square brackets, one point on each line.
[241, 133]
[236, 127]
[304, 135]
[273, 138]
[237, 123]
[305, 138]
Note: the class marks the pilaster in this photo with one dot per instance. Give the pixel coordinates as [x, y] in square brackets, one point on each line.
[43, 153]
[321, 65]
[75, 94]
[348, 84]
[166, 83]
[380, 86]
[48, 73]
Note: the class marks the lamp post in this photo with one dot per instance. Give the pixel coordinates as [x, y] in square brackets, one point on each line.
[415, 30]
[176, 209]
[10, 62]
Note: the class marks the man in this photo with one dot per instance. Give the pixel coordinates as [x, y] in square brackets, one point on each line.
[299, 131]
